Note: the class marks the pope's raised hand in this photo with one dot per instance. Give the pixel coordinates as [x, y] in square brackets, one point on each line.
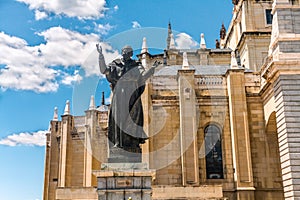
[99, 49]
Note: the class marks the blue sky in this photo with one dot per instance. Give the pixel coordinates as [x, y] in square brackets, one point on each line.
[48, 56]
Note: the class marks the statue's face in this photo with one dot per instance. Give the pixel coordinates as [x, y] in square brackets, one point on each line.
[127, 53]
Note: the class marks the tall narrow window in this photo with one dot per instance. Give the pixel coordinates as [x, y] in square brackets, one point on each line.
[213, 151]
[269, 16]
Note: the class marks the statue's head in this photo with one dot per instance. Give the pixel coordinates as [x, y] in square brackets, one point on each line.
[127, 52]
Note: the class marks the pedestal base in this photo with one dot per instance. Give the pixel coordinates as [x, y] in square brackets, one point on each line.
[124, 180]
[118, 155]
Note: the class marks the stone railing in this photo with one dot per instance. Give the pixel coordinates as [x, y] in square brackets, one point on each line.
[210, 80]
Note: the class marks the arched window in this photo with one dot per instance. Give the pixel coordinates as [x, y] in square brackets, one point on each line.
[213, 152]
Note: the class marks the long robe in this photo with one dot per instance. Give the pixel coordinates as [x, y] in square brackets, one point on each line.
[126, 117]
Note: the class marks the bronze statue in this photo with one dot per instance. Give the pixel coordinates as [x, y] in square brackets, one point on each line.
[127, 78]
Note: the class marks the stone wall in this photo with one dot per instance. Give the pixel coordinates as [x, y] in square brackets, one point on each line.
[164, 146]
[265, 155]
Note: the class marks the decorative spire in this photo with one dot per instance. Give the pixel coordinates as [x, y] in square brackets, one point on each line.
[172, 42]
[92, 103]
[67, 108]
[103, 99]
[144, 61]
[55, 115]
[202, 42]
[233, 63]
[185, 62]
[143, 52]
[144, 46]
[169, 35]
[169, 28]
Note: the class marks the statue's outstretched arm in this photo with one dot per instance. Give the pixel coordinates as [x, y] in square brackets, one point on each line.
[102, 64]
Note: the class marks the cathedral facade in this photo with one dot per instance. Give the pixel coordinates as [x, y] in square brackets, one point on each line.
[223, 123]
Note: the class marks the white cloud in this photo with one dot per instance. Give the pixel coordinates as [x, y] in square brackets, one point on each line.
[135, 24]
[12, 41]
[32, 67]
[70, 79]
[185, 41]
[40, 15]
[23, 66]
[103, 29]
[116, 7]
[65, 47]
[27, 139]
[82, 9]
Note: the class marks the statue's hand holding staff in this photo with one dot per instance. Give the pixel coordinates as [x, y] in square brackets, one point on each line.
[156, 64]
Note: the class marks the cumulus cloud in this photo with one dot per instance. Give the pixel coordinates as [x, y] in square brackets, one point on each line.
[103, 29]
[65, 47]
[82, 9]
[69, 79]
[135, 24]
[33, 67]
[116, 7]
[23, 66]
[40, 15]
[27, 139]
[185, 41]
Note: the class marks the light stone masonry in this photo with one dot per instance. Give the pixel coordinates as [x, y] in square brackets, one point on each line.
[255, 105]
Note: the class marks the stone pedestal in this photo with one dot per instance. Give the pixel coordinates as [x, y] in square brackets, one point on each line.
[124, 180]
[118, 155]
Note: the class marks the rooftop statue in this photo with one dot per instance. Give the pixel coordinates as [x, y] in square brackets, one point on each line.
[235, 2]
[217, 44]
[222, 32]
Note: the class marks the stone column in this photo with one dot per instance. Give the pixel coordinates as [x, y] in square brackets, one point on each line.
[240, 134]
[147, 107]
[88, 151]
[188, 127]
[91, 147]
[52, 155]
[287, 103]
[47, 168]
[65, 147]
